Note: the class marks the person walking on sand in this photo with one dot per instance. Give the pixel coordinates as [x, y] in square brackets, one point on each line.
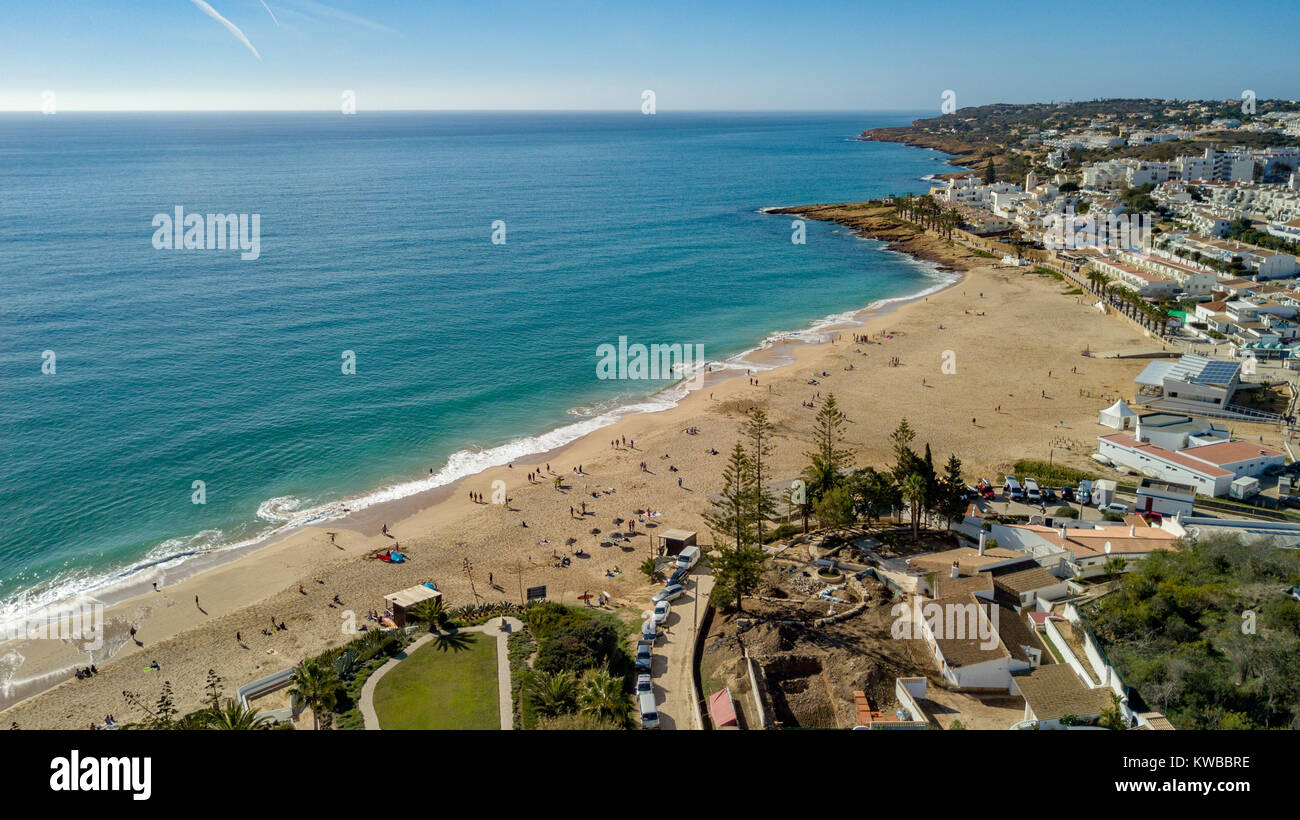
[239, 638]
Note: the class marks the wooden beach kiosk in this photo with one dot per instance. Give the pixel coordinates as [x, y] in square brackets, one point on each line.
[402, 602]
[674, 540]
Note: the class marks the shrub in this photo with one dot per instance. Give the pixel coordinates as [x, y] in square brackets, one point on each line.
[1052, 474]
[782, 532]
[1065, 511]
[587, 646]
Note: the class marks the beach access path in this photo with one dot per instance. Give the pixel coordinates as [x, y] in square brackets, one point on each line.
[491, 629]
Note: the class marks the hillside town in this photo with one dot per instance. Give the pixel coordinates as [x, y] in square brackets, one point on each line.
[1206, 239]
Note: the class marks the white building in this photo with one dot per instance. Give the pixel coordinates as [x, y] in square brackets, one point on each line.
[1210, 469]
[1165, 497]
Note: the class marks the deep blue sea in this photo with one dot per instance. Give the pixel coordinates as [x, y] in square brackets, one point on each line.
[176, 366]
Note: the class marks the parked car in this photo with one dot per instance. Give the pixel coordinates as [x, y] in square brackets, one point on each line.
[669, 593]
[1032, 493]
[1153, 517]
[662, 610]
[1012, 489]
[650, 629]
[649, 710]
[678, 577]
[643, 683]
[1049, 495]
[1085, 491]
[1116, 507]
[1067, 493]
[985, 489]
[688, 557]
[644, 651]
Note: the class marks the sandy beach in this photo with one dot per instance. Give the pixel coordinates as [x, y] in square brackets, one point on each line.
[1016, 385]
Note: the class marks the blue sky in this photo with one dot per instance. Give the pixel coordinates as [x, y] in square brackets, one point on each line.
[569, 54]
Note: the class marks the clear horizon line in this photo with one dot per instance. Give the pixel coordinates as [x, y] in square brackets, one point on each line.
[335, 110]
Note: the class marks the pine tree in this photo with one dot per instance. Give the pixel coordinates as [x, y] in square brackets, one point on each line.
[758, 430]
[737, 572]
[990, 173]
[732, 516]
[904, 457]
[952, 490]
[828, 435]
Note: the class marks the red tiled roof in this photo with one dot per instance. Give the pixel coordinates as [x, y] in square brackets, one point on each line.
[1230, 452]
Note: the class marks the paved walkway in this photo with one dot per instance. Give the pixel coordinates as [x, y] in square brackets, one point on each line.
[491, 629]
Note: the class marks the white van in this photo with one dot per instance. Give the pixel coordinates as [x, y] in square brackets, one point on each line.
[688, 557]
[649, 710]
[1011, 488]
[1032, 495]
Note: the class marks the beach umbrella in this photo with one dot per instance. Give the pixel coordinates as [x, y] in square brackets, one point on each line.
[618, 521]
[595, 530]
[570, 541]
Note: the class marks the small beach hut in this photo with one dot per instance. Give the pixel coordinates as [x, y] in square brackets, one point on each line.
[1118, 416]
[404, 601]
[674, 540]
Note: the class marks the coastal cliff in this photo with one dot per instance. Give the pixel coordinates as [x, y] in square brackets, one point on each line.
[876, 221]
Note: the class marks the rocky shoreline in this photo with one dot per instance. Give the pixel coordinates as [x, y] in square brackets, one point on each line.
[876, 221]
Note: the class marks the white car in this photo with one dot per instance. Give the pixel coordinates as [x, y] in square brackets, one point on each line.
[662, 608]
[643, 683]
[1116, 507]
[669, 593]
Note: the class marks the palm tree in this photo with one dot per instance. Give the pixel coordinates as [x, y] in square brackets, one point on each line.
[604, 697]
[914, 492]
[316, 684]
[432, 613]
[553, 693]
[233, 715]
[820, 476]
[649, 568]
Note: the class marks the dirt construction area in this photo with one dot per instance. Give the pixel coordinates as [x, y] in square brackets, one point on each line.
[810, 668]
[814, 636]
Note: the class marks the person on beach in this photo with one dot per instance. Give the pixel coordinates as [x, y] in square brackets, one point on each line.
[239, 638]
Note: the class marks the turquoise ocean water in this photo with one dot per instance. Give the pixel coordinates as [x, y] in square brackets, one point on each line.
[176, 366]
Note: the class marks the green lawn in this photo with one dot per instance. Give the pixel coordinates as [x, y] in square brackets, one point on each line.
[442, 690]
